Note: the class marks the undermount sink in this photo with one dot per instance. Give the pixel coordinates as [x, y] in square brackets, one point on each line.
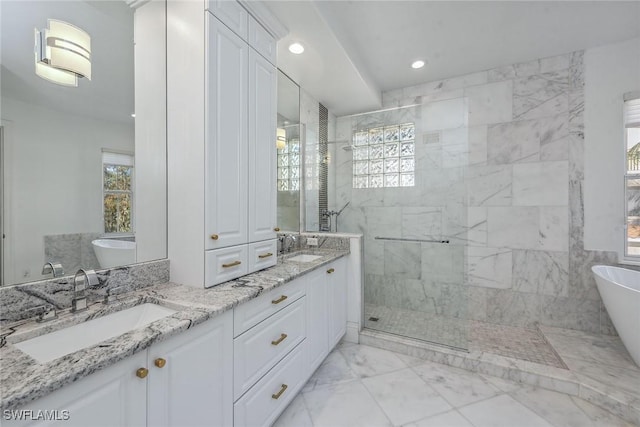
[305, 258]
[48, 347]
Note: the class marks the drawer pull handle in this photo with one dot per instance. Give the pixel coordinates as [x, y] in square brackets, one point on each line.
[279, 300]
[278, 394]
[279, 340]
[214, 237]
[331, 270]
[142, 372]
[276, 229]
[231, 264]
[160, 362]
[267, 255]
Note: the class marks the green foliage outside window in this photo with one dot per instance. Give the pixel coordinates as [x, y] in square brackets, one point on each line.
[117, 198]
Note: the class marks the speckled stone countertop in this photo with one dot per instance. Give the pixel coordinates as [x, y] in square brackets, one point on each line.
[23, 380]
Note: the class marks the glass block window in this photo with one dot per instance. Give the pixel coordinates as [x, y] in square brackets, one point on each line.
[288, 169]
[384, 157]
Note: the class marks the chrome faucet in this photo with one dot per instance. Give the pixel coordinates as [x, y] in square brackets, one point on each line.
[81, 281]
[53, 267]
[286, 243]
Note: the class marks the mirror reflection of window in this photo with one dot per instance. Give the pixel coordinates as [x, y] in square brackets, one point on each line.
[117, 192]
[632, 175]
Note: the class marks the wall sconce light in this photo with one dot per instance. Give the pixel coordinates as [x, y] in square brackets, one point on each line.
[62, 53]
[281, 138]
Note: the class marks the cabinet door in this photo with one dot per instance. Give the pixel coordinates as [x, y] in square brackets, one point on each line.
[111, 397]
[226, 137]
[337, 289]
[262, 148]
[194, 387]
[317, 341]
[232, 14]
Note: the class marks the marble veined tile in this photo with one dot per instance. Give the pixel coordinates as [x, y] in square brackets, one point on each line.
[555, 63]
[528, 227]
[369, 361]
[404, 396]
[348, 404]
[490, 103]
[541, 272]
[513, 142]
[403, 259]
[458, 386]
[489, 185]
[541, 184]
[489, 267]
[502, 411]
[562, 410]
[521, 69]
[448, 419]
[421, 222]
[541, 95]
[333, 370]
[446, 114]
[477, 226]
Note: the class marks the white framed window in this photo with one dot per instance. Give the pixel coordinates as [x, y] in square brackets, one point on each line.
[384, 156]
[117, 192]
[632, 177]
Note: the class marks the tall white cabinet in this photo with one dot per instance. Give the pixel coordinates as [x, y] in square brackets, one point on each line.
[221, 140]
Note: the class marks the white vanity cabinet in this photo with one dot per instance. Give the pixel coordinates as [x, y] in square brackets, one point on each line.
[183, 381]
[327, 310]
[111, 397]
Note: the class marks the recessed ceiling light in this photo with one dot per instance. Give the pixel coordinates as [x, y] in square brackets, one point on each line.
[296, 48]
[417, 64]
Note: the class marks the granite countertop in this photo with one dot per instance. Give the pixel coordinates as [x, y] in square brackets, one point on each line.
[22, 379]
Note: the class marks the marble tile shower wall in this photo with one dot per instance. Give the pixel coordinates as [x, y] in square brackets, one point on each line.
[500, 171]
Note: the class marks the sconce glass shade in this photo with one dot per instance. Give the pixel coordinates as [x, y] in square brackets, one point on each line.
[281, 138]
[63, 53]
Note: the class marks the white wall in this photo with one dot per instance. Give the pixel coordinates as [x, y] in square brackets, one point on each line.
[55, 178]
[610, 71]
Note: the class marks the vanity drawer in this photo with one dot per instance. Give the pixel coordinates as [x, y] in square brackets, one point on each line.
[263, 255]
[261, 405]
[224, 264]
[261, 347]
[255, 311]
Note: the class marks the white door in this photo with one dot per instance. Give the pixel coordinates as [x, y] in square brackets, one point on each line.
[226, 137]
[194, 385]
[262, 148]
[317, 341]
[111, 397]
[337, 289]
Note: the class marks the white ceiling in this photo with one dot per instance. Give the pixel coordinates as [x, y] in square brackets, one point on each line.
[109, 95]
[356, 49]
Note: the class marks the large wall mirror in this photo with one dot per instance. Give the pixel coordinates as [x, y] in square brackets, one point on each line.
[289, 170]
[83, 109]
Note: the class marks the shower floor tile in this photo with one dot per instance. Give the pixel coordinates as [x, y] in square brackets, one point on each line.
[518, 343]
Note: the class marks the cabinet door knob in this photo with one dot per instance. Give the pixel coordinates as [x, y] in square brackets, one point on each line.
[276, 229]
[142, 372]
[160, 362]
[331, 270]
[278, 394]
[279, 340]
[279, 300]
[214, 237]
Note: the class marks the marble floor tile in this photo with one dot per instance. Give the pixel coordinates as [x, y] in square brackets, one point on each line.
[613, 376]
[368, 361]
[296, 415]
[599, 416]
[333, 370]
[458, 386]
[404, 396]
[502, 411]
[560, 409]
[448, 419]
[348, 404]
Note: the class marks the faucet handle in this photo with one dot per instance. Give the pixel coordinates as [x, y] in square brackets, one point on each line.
[112, 294]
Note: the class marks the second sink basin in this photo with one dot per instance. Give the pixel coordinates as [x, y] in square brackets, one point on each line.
[51, 346]
[304, 258]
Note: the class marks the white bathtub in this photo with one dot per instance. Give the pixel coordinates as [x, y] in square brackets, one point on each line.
[114, 253]
[620, 292]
